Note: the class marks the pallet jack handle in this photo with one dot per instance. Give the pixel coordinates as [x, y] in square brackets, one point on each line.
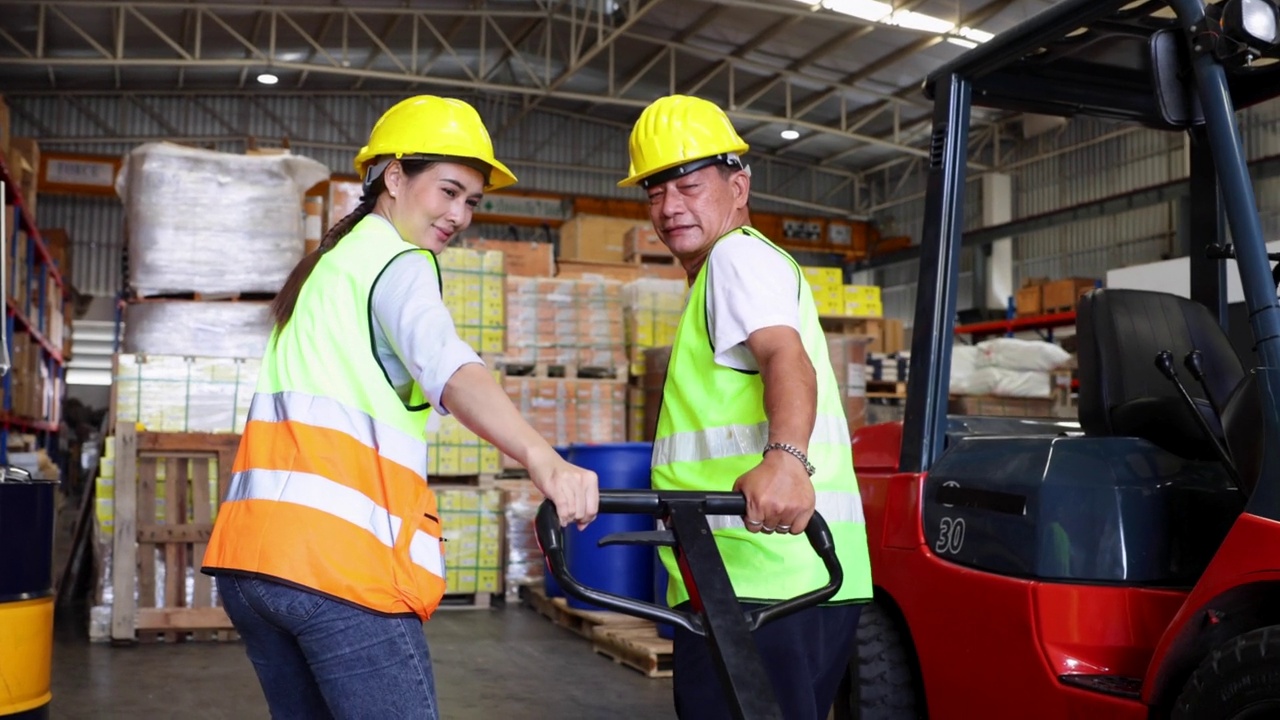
[720, 618]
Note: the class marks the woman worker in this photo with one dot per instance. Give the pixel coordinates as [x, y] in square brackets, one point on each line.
[327, 549]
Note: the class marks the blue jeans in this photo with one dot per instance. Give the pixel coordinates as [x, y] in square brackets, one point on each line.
[320, 658]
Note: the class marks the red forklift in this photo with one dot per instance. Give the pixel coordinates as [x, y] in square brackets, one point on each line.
[1128, 565]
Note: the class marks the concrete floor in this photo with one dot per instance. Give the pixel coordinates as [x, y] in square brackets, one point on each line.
[500, 663]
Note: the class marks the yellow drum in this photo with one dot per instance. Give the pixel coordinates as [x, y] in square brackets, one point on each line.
[26, 595]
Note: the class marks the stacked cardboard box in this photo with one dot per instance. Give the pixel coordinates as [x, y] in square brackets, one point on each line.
[827, 284]
[567, 411]
[863, 301]
[35, 391]
[170, 393]
[472, 522]
[474, 288]
[455, 450]
[848, 355]
[652, 309]
[564, 322]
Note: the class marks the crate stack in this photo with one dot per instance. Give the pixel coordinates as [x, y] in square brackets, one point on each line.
[37, 312]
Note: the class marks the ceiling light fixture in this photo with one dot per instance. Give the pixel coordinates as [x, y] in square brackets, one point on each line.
[268, 78]
[884, 14]
[790, 134]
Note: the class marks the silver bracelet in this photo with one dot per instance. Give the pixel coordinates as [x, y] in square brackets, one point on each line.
[794, 451]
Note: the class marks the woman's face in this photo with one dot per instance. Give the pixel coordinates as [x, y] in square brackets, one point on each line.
[432, 207]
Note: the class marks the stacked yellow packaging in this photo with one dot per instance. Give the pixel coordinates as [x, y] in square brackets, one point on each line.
[475, 293]
[653, 308]
[472, 520]
[168, 393]
[452, 449]
[863, 301]
[827, 284]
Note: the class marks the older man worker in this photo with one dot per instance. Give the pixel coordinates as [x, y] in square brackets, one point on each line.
[750, 404]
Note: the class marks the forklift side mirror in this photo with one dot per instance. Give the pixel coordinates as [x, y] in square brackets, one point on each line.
[1176, 100]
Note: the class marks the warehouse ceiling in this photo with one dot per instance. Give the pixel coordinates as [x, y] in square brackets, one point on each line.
[844, 75]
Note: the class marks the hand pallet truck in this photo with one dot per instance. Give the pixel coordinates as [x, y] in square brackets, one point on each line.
[718, 616]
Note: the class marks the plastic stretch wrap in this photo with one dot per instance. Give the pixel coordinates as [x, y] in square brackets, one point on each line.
[1016, 354]
[524, 561]
[207, 329]
[211, 222]
[1000, 382]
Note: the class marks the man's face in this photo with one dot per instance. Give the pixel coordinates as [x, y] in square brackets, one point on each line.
[692, 212]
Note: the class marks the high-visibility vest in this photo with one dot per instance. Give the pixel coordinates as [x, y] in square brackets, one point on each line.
[329, 489]
[712, 428]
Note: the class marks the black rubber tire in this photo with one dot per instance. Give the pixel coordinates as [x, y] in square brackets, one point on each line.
[1239, 681]
[881, 683]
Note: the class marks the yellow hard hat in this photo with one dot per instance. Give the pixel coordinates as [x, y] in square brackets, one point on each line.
[677, 131]
[432, 126]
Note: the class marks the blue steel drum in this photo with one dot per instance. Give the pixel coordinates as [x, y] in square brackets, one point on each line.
[26, 595]
[625, 570]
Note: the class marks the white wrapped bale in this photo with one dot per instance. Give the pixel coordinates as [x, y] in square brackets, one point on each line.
[209, 329]
[208, 222]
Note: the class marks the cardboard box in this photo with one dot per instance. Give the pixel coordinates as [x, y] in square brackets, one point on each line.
[1063, 295]
[526, 259]
[598, 238]
[642, 241]
[1027, 301]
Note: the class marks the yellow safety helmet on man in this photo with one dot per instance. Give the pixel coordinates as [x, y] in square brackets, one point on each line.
[433, 128]
[680, 134]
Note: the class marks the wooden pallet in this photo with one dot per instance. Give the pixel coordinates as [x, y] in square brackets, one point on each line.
[467, 601]
[637, 646]
[886, 389]
[146, 546]
[204, 297]
[657, 258]
[481, 480]
[582, 622]
[566, 371]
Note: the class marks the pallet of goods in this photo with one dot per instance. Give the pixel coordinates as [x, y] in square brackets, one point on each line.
[564, 328]
[472, 521]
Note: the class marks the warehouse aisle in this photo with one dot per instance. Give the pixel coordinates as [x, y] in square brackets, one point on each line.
[489, 664]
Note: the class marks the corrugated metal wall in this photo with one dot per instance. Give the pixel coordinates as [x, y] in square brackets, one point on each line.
[1111, 159]
[549, 152]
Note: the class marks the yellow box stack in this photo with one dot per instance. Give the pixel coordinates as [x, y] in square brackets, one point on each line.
[167, 393]
[863, 301]
[452, 449]
[472, 521]
[652, 308]
[475, 293]
[827, 284]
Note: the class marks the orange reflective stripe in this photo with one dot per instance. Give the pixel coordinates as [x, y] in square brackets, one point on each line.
[330, 454]
[338, 500]
[351, 564]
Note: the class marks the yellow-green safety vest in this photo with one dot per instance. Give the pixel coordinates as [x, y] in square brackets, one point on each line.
[329, 488]
[712, 428]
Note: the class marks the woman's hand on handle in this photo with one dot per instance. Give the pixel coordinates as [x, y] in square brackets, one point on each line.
[482, 406]
[574, 490]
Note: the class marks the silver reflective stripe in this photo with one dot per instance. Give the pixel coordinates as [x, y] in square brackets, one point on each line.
[338, 500]
[734, 440]
[391, 443]
[835, 507]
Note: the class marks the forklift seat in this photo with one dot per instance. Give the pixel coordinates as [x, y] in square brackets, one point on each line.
[1123, 393]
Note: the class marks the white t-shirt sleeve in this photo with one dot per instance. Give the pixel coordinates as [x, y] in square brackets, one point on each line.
[750, 286]
[411, 318]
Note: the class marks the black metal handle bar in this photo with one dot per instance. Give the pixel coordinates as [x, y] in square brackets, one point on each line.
[657, 504]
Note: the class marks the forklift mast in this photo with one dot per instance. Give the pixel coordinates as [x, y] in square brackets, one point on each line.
[1136, 62]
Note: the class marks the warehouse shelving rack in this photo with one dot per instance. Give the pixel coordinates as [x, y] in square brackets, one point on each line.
[30, 318]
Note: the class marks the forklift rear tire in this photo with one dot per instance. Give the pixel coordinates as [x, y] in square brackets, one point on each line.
[1238, 681]
[880, 684]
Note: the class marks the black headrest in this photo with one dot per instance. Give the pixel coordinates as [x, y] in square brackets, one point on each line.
[1121, 390]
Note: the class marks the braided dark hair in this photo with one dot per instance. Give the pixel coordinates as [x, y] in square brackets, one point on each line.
[283, 305]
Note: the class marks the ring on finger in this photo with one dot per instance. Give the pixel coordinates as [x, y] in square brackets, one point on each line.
[755, 523]
[767, 529]
[783, 528]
